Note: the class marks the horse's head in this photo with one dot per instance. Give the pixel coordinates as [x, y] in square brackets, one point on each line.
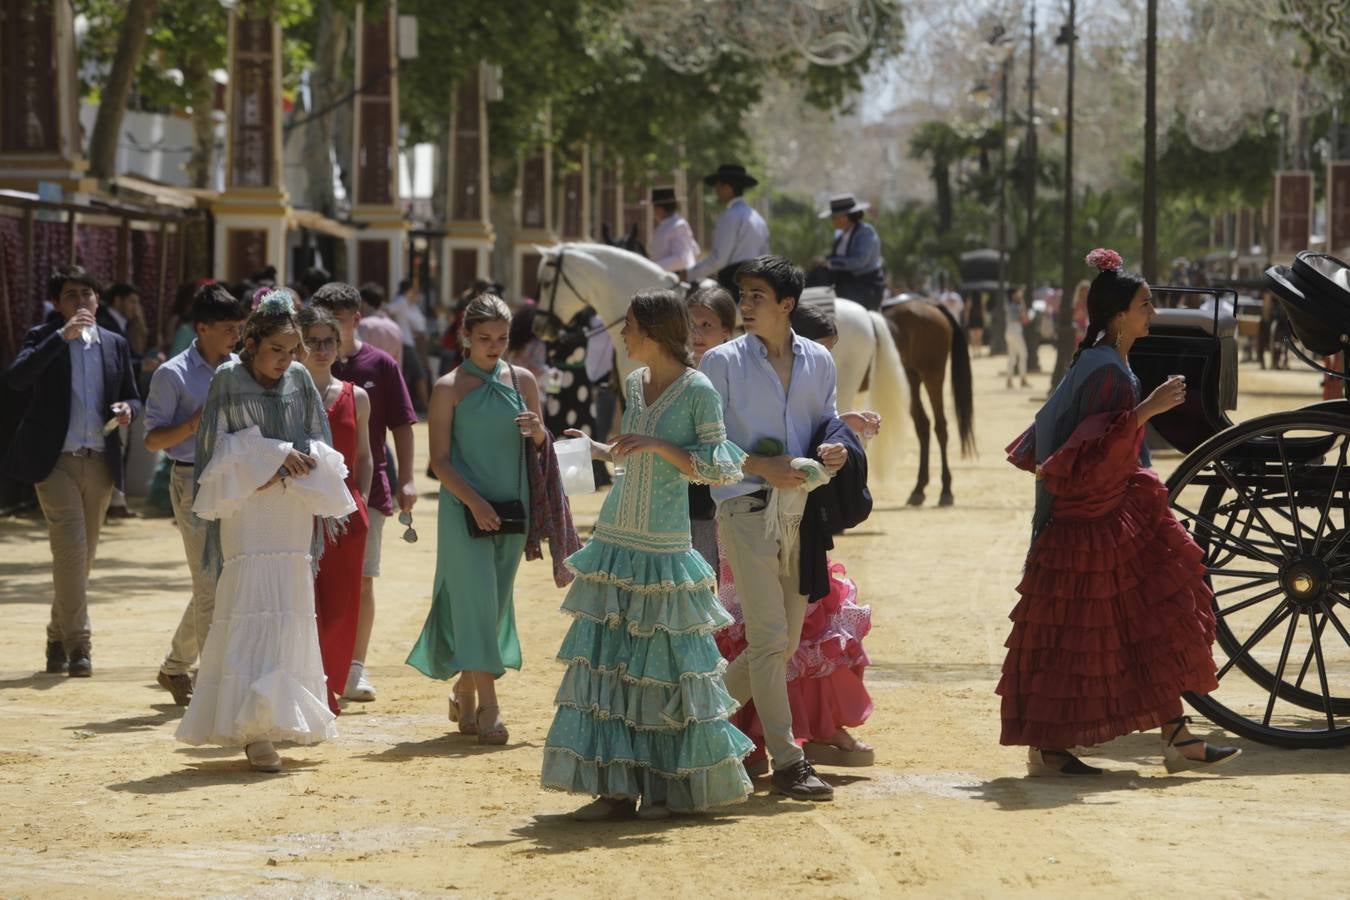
[566, 278]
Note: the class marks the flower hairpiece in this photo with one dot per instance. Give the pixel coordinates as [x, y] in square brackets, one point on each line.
[1105, 259]
[274, 302]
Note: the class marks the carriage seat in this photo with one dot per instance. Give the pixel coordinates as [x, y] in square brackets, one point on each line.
[1203, 319]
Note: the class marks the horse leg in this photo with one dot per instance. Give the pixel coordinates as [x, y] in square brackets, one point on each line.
[920, 418]
[934, 386]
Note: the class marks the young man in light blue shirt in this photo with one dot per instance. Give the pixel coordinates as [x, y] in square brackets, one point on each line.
[173, 410]
[777, 389]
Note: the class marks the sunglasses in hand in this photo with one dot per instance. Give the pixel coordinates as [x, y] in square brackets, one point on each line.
[405, 519]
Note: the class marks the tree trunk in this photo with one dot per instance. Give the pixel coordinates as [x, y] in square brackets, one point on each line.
[326, 86]
[942, 184]
[203, 93]
[113, 103]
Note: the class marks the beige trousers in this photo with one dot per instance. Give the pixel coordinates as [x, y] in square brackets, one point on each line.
[190, 637]
[773, 613]
[74, 499]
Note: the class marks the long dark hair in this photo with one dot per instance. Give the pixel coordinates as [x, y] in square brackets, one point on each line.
[663, 317]
[276, 313]
[1112, 292]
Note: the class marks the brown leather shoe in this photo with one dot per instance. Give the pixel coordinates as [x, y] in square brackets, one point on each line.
[80, 666]
[178, 685]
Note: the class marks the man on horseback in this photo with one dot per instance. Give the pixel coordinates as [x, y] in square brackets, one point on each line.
[741, 233]
[855, 260]
[673, 246]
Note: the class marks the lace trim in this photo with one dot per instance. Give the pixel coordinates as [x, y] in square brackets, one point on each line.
[710, 432]
[282, 554]
[642, 541]
[615, 620]
[678, 774]
[621, 672]
[673, 726]
[715, 474]
[708, 584]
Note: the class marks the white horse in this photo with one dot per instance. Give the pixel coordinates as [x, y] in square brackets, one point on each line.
[575, 275]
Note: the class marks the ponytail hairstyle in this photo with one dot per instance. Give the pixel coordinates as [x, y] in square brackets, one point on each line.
[275, 311]
[1110, 293]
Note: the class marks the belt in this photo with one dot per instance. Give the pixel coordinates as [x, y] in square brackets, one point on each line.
[187, 465]
[84, 451]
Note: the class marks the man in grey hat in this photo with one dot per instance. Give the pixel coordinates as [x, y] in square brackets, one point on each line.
[673, 247]
[741, 233]
[855, 260]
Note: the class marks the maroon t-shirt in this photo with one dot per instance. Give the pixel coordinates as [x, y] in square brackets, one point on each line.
[390, 406]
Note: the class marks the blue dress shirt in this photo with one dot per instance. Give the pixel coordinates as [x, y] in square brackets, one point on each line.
[755, 406]
[88, 412]
[857, 250]
[740, 234]
[177, 390]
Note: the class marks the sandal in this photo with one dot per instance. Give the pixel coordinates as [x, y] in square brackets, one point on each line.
[495, 731]
[1176, 761]
[463, 711]
[1039, 764]
[263, 757]
[604, 808]
[823, 753]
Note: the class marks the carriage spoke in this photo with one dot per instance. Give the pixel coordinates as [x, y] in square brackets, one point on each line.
[1300, 528]
[1246, 499]
[1275, 618]
[1225, 538]
[1289, 490]
[1337, 624]
[1244, 573]
[1279, 670]
[1248, 584]
[1252, 601]
[1331, 495]
[1322, 674]
[1317, 628]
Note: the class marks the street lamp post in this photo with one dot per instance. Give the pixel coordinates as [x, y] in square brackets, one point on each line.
[1029, 283]
[1065, 332]
[1150, 211]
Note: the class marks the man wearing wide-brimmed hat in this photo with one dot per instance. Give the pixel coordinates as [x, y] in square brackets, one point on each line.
[741, 233]
[855, 260]
[673, 246]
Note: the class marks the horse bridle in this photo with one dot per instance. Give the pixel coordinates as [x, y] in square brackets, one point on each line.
[550, 310]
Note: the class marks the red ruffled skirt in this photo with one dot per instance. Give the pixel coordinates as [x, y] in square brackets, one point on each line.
[1115, 622]
[825, 674]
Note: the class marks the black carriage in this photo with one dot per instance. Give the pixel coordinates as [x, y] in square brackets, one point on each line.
[1268, 499]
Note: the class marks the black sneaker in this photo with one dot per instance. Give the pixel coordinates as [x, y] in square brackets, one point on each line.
[800, 782]
[56, 658]
[80, 666]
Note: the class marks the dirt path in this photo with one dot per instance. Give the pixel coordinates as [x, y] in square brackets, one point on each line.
[96, 796]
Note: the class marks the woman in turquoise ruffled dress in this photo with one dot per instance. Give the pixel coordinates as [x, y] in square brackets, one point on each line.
[642, 710]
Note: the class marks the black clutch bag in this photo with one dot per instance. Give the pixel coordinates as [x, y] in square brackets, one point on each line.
[510, 512]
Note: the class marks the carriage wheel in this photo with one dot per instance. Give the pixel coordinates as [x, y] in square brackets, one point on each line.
[1269, 502]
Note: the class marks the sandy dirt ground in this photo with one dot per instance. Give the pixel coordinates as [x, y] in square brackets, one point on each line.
[95, 795]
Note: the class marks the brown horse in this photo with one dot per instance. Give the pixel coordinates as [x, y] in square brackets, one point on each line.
[927, 334]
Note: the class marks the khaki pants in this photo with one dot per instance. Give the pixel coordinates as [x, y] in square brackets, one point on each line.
[773, 613]
[190, 637]
[74, 499]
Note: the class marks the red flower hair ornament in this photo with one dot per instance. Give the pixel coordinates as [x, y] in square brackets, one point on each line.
[1105, 259]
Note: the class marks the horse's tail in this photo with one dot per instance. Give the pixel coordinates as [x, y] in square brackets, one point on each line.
[886, 390]
[961, 384]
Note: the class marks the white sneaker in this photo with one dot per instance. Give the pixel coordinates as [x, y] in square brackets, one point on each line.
[358, 687]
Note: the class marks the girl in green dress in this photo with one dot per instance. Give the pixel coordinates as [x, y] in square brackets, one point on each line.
[480, 416]
[642, 710]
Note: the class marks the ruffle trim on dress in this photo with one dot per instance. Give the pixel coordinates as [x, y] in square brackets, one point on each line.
[622, 672]
[662, 656]
[820, 707]
[675, 612]
[674, 753]
[645, 706]
[276, 707]
[642, 571]
[721, 784]
[716, 464]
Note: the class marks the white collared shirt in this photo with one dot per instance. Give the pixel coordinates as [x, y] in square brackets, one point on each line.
[741, 234]
[673, 246]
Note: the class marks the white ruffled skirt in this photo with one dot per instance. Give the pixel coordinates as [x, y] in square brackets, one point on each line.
[261, 675]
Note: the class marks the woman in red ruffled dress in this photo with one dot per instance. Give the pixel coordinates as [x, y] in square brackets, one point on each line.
[1116, 619]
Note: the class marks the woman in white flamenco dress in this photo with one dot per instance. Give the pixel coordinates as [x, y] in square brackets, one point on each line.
[261, 676]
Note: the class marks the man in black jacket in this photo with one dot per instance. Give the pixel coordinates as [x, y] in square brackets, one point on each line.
[80, 387]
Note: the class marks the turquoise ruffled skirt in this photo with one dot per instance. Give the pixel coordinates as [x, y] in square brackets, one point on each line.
[642, 710]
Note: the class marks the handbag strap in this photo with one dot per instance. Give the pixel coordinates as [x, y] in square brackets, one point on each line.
[515, 384]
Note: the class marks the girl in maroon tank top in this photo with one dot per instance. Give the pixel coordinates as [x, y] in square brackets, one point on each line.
[337, 588]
